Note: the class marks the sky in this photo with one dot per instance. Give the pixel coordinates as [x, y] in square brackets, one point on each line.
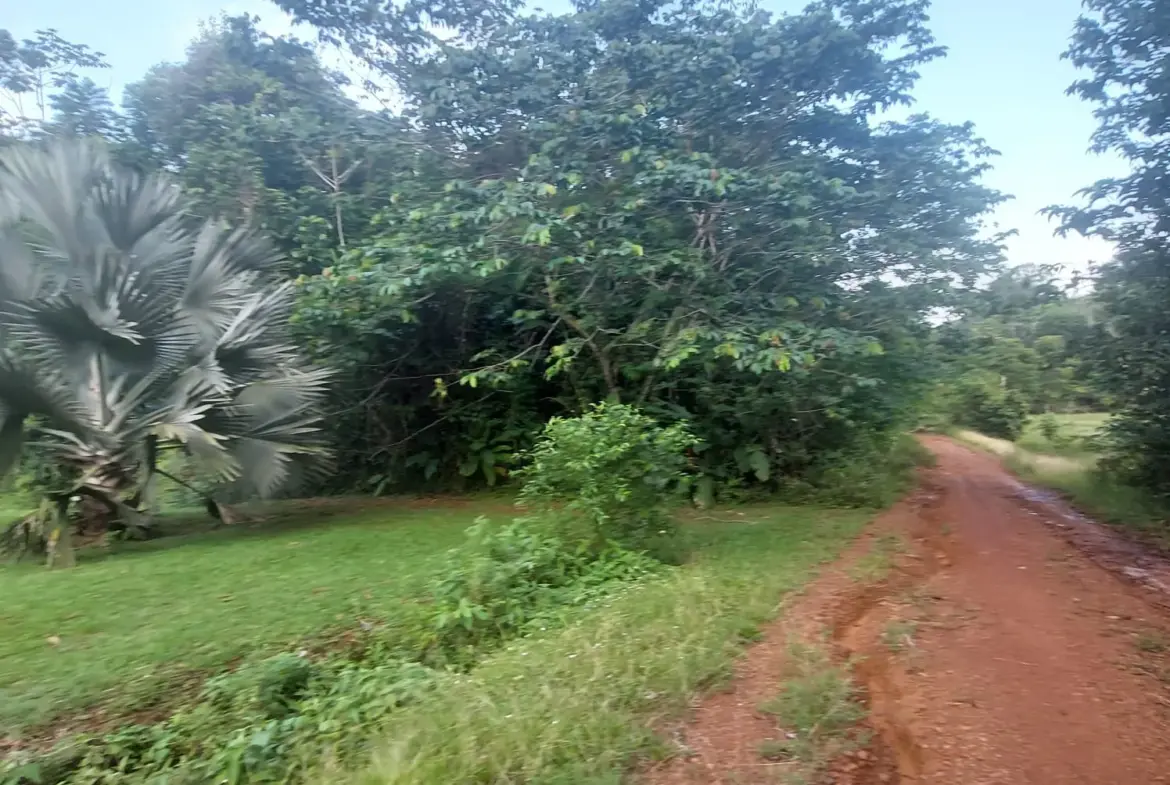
[1003, 72]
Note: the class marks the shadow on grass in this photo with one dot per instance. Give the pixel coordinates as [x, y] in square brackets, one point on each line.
[185, 527]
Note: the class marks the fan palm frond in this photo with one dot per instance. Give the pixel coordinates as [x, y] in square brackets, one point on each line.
[126, 326]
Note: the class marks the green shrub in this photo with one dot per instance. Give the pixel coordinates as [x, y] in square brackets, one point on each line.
[1050, 428]
[507, 577]
[283, 681]
[873, 475]
[611, 475]
[981, 403]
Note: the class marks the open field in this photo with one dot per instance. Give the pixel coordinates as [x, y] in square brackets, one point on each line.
[1072, 432]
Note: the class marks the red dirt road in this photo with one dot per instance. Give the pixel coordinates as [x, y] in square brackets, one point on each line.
[1034, 648]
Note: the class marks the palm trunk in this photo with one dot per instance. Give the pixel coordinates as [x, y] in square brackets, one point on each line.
[61, 552]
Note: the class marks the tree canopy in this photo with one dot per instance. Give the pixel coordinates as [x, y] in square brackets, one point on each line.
[696, 209]
[1122, 45]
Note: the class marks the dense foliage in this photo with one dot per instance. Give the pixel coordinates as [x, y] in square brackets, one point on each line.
[1123, 44]
[1023, 346]
[689, 208]
[685, 208]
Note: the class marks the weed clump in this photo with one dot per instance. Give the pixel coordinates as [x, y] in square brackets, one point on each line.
[818, 709]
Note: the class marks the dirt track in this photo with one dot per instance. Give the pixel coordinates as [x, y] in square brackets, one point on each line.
[1034, 648]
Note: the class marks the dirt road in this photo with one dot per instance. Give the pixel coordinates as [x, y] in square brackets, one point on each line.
[1011, 641]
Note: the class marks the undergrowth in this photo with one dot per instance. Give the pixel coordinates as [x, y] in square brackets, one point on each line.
[818, 710]
[544, 650]
[267, 721]
[871, 477]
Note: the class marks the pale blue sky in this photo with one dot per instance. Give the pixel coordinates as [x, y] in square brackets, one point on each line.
[1003, 72]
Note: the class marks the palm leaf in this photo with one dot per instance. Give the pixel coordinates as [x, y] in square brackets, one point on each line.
[11, 440]
[123, 322]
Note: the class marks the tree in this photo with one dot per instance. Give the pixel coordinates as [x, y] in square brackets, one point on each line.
[1022, 345]
[254, 125]
[81, 108]
[686, 207]
[127, 331]
[1123, 45]
[30, 70]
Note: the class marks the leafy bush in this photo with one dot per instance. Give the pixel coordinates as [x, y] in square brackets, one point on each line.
[505, 578]
[979, 402]
[283, 681]
[874, 475]
[1050, 428]
[610, 475]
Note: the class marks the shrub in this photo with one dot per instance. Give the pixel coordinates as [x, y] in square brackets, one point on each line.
[979, 402]
[610, 475]
[875, 474]
[1050, 428]
[284, 680]
[507, 577]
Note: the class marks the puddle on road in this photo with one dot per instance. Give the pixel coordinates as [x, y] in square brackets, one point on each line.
[1103, 544]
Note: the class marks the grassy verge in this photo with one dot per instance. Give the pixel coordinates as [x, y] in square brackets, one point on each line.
[1069, 435]
[818, 710]
[1089, 490]
[576, 706]
[118, 629]
[419, 688]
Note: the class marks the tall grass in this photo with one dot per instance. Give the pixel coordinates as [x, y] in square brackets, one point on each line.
[579, 706]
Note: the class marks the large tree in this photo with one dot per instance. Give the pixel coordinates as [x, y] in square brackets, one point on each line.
[128, 330]
[258, 131]
[688, 206]
[31, 71]
[1123, 44]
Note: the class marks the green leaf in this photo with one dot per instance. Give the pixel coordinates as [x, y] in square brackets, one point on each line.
[759, 463]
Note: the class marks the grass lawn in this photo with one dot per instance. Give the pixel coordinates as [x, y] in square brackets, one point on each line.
[575, 704]
[578, 702]
[118, 628]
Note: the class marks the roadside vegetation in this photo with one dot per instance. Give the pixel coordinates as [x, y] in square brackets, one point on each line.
[548, 647]
[1064, 453]
[661, 273]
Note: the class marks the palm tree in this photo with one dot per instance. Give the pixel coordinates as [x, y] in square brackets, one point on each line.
[129, 328]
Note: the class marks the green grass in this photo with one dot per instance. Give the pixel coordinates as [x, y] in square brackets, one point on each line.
[819, 706]
[124, 626]
[577, 706]
[578, 703]
[1073, 430]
